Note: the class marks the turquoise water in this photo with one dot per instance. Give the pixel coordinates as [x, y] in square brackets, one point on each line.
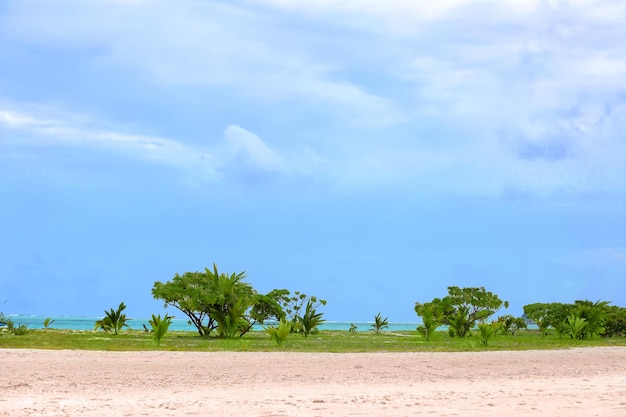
[178, 324]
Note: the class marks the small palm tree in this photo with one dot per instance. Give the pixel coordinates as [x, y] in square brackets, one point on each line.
[380, 323]
[309, 321]
[47, 322]
[159, 327]
[114, 320]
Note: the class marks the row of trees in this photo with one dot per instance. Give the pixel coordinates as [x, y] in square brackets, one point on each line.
[464, 309]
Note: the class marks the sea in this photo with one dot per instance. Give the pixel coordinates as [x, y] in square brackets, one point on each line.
[178, 324]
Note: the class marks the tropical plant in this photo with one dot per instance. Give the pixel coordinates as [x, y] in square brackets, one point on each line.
[432, 317]
[379, 324]
[615, 324]
[463, 307]
[459, 323]
[352, 328]
[47, 322]
[159, 327]
[219, 301]
[114, 320]
[594, 313]
[488, 331]
[279, 333]
[294, 304]
[575, 326]
[511, 325]
[308, 322]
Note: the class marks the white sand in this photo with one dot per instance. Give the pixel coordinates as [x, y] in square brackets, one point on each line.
[577, 382]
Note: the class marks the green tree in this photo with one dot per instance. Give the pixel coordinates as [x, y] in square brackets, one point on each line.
[615, 324]
[114, 320]
[463, 307]
[219, 301]
[380, 323]
[432, 315]
[511, 325]
[298, 307]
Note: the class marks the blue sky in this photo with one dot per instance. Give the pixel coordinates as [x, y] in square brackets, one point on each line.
[370, 153]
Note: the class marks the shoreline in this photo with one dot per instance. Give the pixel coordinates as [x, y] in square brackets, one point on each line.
[567, 382]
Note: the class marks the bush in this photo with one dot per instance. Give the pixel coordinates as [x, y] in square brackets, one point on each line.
[279, 334]
[159, 327]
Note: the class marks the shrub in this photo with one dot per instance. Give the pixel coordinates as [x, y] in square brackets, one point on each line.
[114, 320]
[280, 333]
[159, 327]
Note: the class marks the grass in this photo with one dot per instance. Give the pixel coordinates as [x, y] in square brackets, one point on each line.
[324, 341]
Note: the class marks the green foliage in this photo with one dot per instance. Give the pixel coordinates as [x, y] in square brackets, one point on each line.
[307, 323]
[11, 328]
[556, 316]
[114, 320]
[380, 323]
[159, 327]
[219, 301]
[353, 328]
[488, 331]
[293, 305]
[575, 326]
[280, 333]
[594, 313]
[432, 315]
[463, 307]
[47, 322]
[511, 325]
[615, 324]
[458, 323]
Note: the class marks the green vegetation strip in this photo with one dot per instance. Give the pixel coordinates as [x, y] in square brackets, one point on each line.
[324, 341]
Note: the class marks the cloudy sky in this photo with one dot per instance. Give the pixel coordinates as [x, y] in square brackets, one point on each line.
[371, 153]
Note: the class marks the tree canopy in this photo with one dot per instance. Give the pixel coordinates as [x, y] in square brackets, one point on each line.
[219, 301]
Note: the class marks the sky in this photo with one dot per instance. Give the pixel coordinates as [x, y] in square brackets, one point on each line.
[369, 153]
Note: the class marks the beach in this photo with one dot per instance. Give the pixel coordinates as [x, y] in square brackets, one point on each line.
[573, 382]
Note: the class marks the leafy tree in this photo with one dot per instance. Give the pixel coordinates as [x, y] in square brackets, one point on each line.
[159, 327]
[539, 314]
[293, 305]
[615, 324]
[510, 325]
[380, 323]
[114, 320]
[432, 315]
[218, 301]
[463, 307]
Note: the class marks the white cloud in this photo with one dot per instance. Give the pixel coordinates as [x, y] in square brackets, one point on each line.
[251, 149]
[46, 131]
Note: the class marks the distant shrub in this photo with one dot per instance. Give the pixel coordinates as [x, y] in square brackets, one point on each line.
[279, 333]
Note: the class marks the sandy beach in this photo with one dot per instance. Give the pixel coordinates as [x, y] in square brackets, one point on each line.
[576, 382]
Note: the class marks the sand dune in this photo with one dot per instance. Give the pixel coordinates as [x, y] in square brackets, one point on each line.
[576, 382]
